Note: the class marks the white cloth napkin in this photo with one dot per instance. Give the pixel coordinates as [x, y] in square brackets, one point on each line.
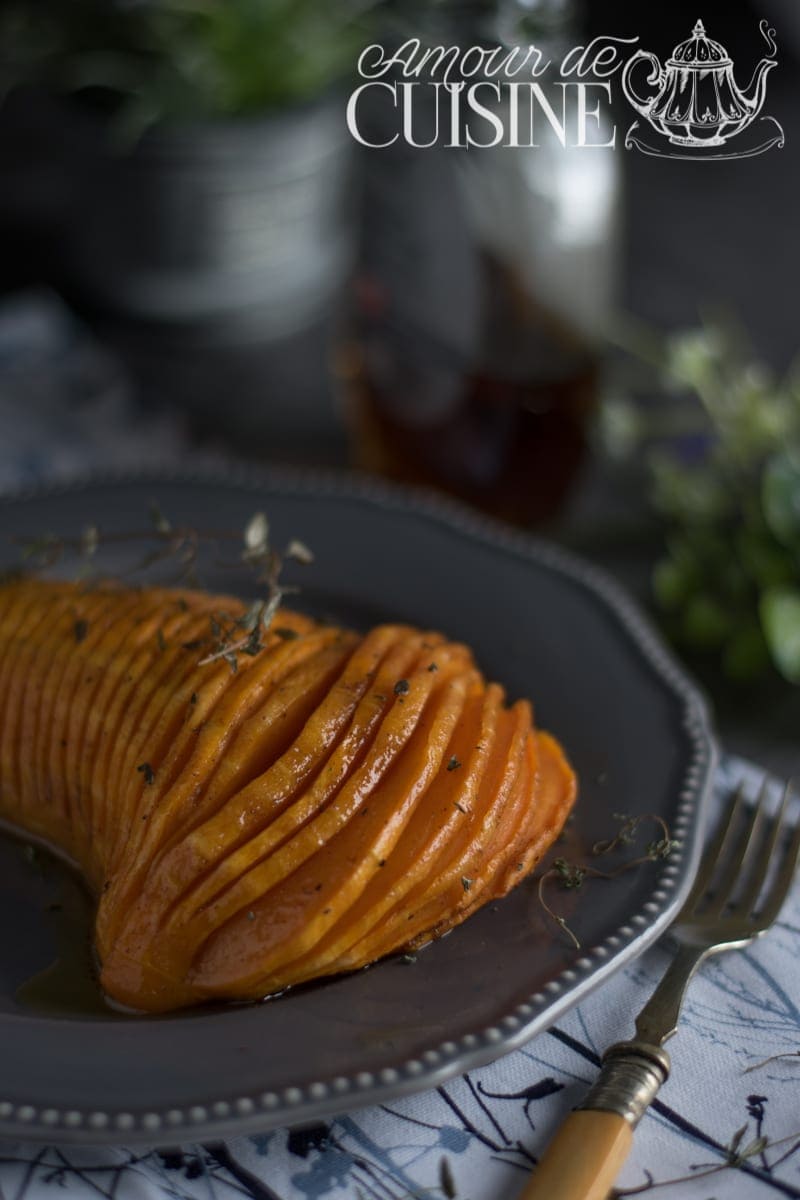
[477, 1137]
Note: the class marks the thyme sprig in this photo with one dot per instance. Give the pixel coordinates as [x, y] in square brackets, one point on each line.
[244, 634]
[772, 1058]
[177, 543]
[736, 1156]
[229, 636]
[571, 876]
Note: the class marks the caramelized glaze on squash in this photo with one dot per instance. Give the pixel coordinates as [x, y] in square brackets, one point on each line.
[336, 799]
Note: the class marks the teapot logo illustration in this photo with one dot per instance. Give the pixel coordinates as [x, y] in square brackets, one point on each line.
[695, 105]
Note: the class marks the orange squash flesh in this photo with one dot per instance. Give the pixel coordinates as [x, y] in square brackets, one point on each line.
[448, 889]
[433, 828]
[187, 757]
[336, 799]
[294, 807]
[297, 917]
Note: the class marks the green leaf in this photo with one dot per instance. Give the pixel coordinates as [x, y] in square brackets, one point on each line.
[672, 583]
[746, 655]
[767, 562]
[780, 496]
[780, 618]
[707, 623]
[621, 427]
[693, 495]
[179, 59]
[693, 358]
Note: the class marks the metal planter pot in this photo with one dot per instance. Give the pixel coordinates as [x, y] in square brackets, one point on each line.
[236, 234]
[206, 221]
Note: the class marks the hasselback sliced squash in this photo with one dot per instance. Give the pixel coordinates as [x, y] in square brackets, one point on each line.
[333, 799]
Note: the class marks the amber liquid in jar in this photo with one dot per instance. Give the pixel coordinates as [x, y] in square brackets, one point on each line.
[506, 434]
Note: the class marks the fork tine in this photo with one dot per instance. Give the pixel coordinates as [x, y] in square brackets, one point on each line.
[740, 853]
[766, 852]
[783, 880]
[707, 866]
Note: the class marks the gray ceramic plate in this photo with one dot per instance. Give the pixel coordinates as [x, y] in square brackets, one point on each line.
[543, 623]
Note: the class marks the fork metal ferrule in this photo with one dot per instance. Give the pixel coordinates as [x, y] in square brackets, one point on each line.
[629, 1079]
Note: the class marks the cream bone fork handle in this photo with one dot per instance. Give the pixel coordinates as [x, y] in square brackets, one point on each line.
[742, 883]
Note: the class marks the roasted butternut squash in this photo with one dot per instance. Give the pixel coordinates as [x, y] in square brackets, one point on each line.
[334, 799]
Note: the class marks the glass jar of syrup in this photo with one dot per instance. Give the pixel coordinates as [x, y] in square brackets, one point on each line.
[486, 274]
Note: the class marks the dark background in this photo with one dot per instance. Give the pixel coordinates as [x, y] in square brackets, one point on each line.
[704, 235]
[696, 235]
[701, 233]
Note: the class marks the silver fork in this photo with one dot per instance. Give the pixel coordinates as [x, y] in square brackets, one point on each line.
[742, 883]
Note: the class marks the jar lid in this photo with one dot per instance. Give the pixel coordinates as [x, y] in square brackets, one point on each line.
[700, 51]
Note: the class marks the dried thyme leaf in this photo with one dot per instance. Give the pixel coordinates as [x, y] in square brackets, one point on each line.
[251, 619]
[271, 607]
[300, 552]
[466, 882]
[402, 687]
[256, 536]
[253, 645]
[570, 875]
[662, 848]
[90, 540]
[47, 548]
[148, 772]
[160, 522]
[453, 764]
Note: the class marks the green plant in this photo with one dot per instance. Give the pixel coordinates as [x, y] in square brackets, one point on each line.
[182, 59]
[724, 471]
